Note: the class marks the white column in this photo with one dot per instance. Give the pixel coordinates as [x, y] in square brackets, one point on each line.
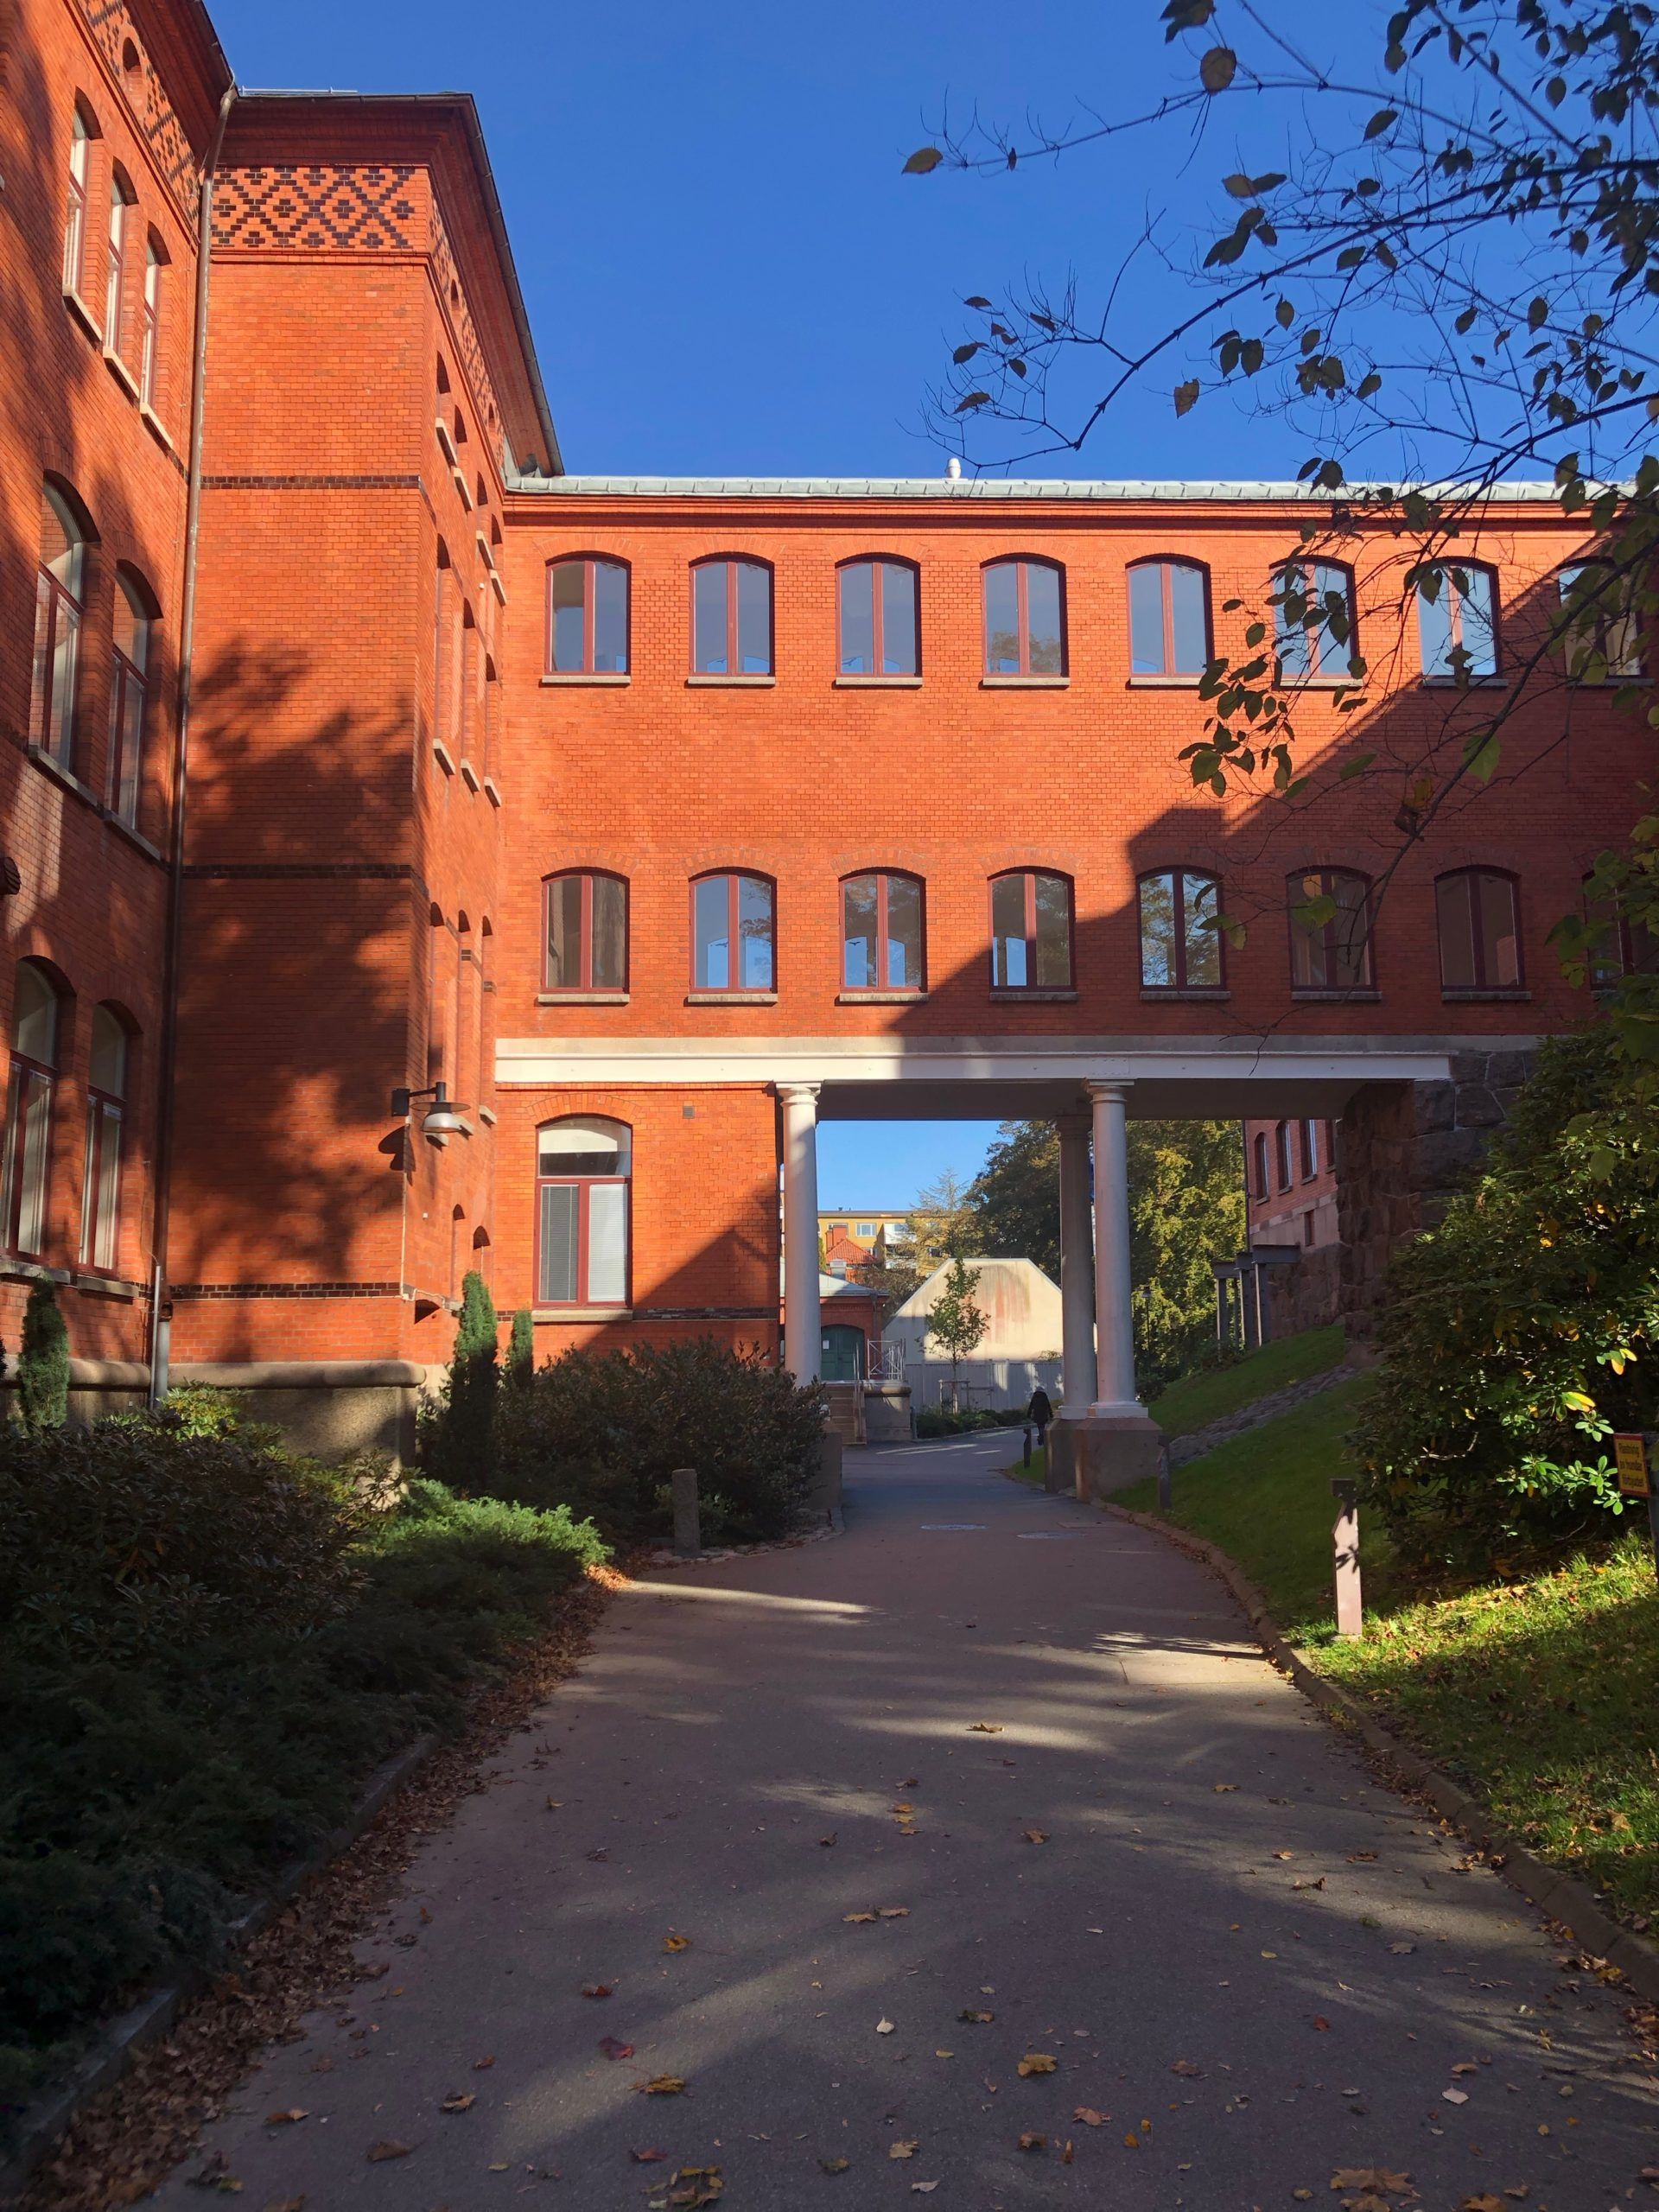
[802, 1323]
[1114, 1316]
[1077, 1269]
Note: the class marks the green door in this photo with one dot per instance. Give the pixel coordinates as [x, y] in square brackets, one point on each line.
[843, 1353]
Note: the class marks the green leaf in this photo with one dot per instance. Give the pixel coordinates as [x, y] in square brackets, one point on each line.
[925, 158]
[1384, 119]
[1218, 68]
[1284, 315]
[1481, 757]
[1186, 397]
[1357, 766]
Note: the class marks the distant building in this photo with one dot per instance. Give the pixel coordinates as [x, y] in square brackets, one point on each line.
[1019, 1349]
[1290, 1183]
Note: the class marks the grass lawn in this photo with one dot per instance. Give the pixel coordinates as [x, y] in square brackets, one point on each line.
[1199, 1399]
[1537, 1692]
[1036, 1472]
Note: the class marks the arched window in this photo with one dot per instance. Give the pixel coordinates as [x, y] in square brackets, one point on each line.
[1282, 1153]
[881, 932]
[732, 928]
[129, 691]
[150, 363]
[1457, 620]
[81, 134]
[115, 265]
[1169, 619]
[1031, 931]
[1480, 937]
[106, 1092]
[587, 617]
[59, 605]
[587, 932]
[446, 651]
[582, 1166]
[1330, 930]
[35, 1020]
[1602, 629]
[1180, 942]
[1024, 618]
[1622, 947]
[731, 619]
[1314, 619]
[878, 618]
[1259, 1149]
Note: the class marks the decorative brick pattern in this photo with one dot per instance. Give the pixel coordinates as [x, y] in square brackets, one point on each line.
[453, 299]
[293, 208]
[111, 23]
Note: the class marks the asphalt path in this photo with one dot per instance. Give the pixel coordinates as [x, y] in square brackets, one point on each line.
[1101, 1840]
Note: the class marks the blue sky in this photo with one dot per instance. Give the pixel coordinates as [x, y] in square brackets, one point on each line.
[726, 273]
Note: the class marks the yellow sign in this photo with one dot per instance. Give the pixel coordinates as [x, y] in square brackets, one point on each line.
[1630, 1457]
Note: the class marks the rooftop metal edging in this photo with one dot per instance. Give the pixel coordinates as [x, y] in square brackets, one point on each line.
[990, 488]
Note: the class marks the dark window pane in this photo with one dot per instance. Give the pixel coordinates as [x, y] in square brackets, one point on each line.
[1158, 969]
[1203, 943]
[858, 924]
[610, 933]
[1146, 620]
[1002, 620]
[1291, 639]
[557, 1283]
[1452, 910]
[898, 619]
[712, 934]
[755, 928]
[564, 933]
[610, 617]
[708, 639]
[569, 579]
[754, 620]
[1043, 619]
[1500, 949]
[858, 620]
[1053, 933]
[1187, 617]
[903, 934]
[1009, 933]
[1350, 934]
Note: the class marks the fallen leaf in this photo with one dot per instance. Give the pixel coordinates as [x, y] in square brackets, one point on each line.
[648, 2157]
[277, 2118]
[1466, 2066]
[458, 2102]
[977, 2019]
[835, 2165]
[479, 2065]
[1090, 2117]
[1321, 2023]
[1358, 1858]
[858, 1916]
[1030, 2142]
[1037, 2062]
[884, 2027]
[825, 1842]
[892, 1912]
[1403, 1950]
[387, 2150]
[596, 1988]
[614, 2046]
[496, 2166]
[923, 2188]
[695, 2186]
[1454, 2096]
[1485, 2202]
[945, 2053]
[985, 1728]
[677, 1942]
[904, 2150]
[286, 2204]
[1223, 1787]
[661, 2085]
[1065, 2154]
[1378, 2181]
[1184, 2066]
[1284, 1854]
[1035, 1835]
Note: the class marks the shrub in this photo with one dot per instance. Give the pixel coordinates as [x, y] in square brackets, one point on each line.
[458, 1435]
[1523, 1331]
[521, 1348]
[602, 1433]
[43, 1363]
[941, 1420]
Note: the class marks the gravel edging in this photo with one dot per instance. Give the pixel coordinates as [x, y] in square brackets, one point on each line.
[115, 2045]
[1563, 1896]
[1198, 1441]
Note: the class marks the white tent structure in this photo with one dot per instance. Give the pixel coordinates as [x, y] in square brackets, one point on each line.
[1019, 1351]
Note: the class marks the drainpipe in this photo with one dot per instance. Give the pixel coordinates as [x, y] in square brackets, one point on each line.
[160, 1315]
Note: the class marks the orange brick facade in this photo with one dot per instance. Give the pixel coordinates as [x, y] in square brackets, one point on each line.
[381, 773]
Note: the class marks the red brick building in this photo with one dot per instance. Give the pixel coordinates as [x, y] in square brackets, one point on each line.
[504, 778]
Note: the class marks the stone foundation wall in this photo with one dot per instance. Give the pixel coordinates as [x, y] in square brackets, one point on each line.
[1307, 1296]
[1403, 1149]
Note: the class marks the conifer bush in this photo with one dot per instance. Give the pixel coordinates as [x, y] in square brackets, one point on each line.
[43, 1362]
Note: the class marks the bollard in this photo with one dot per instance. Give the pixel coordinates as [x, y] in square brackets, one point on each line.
[1166, 1488]
[1345, 1538]
[1026, 1462]
[687, 1533]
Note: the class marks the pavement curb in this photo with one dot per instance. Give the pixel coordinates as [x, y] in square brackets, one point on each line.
[114, 2048]
[1563, 1896]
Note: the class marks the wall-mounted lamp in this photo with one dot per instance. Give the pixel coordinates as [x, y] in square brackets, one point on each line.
[442, 1118]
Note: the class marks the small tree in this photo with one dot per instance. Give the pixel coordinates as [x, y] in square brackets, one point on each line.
[521, 1350]
[461, 1441]
[43, 1365]
[956, 1324]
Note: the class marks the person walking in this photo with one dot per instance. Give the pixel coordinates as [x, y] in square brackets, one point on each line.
[1040, 1413]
